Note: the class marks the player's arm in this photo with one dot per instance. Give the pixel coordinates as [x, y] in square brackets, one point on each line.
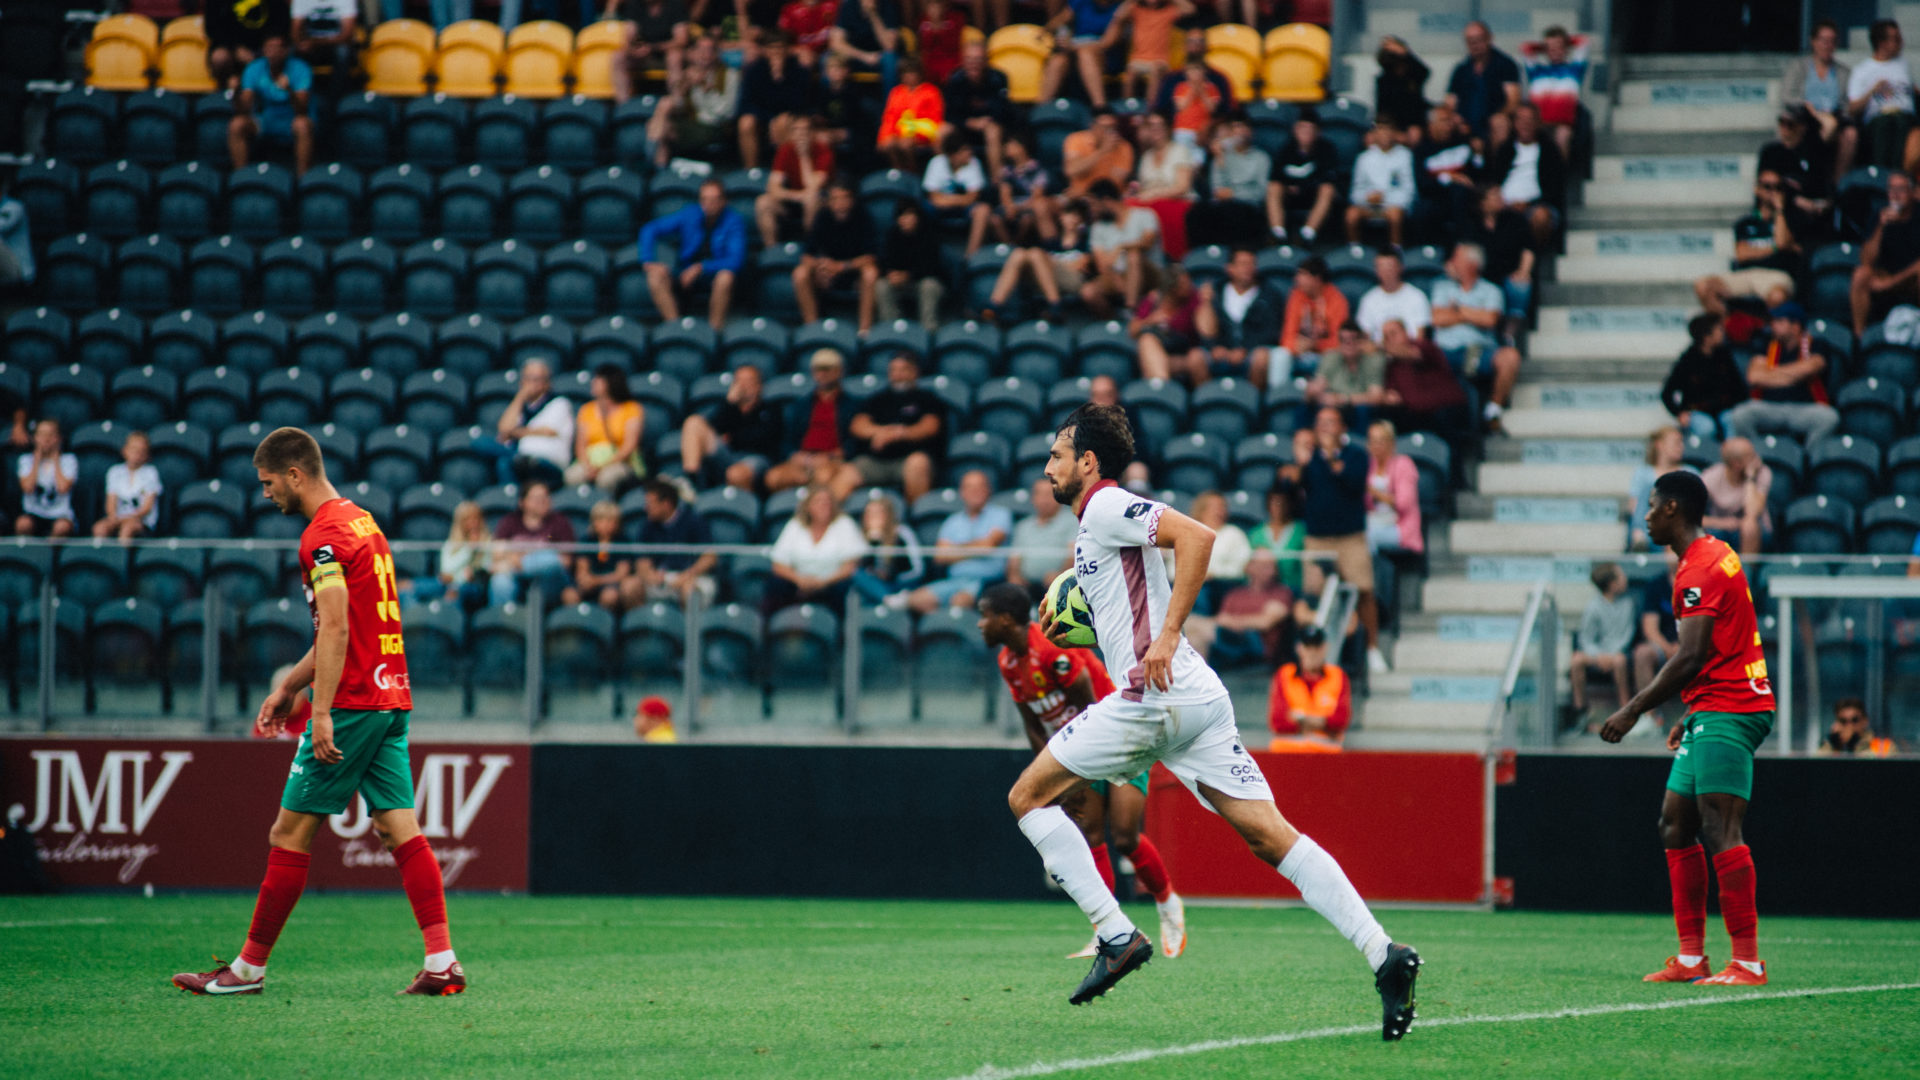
[329, 660]
[1036, 735]
[1192, 546]
[1080, 692]
[1696, 647]
[272, 718]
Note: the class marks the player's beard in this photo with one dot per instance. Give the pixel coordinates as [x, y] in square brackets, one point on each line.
[1068, 497]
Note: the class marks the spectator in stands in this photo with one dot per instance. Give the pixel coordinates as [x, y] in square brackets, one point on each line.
[1788, 383]
[1352, 377]
[1150, 49]
[1382, 184]
[324, 35]
[1484, 84]
[696, 117]
[1125, 245]
[1467, 312]
[978, 526]
[910, 126]
[1817, 83]
[1301, 191]
[734, 441]
[272, 105]
[1164, 183]
[1890, 259]
[1311, 700]
[809, 25]
[847, 123]
[955, 186]
[1393, 495]
[537, 523]
[1282, 535]
[866, 34]
[672, 575]
[1532, 174]
[939, 40]
[133, 492]
[534, 436]
[1423, 393]
[1098, 153]
[1333, 483]
[775, 91]
[1315, 313]
[710, 248]
[1400, 89]
[1059, 265]
[1767, 255]
[1507, 243]
[656, 38]
[601, 573]
[1165, 329]
[607, 434]
[1249, 620]
[840, 253]
[883, 578]
[16, 269]
[977, 104]
[1705, 382]
[1042, 541]
[1083, 32]
[46, 477]
[1233, 188]
[1023, 211]
[815, 434]
[1556, 67]
[237, 33]
[1238, 322]
[1666, 452]
[1231, 548]
[1659, 632]
[1445, 169]
[1600, 643]
[904, 432]
[1804, 163]
[1852, 734]
[910, 261]
[816, 554]
[796, 185]
[1393, 298]
[1737, 490]
[464, 559]
[1192, 103]
[1880, 100]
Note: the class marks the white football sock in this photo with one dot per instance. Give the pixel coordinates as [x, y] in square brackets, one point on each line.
[1689, 961]
[1754, 966]
[1064, 851]
[438, 963]
[246, 971]
[1325, 888]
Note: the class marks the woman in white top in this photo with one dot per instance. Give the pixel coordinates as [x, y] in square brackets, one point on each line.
[815, 555]
[133, 492]
[46, 485]
[463, 561]
[1880, 98]
[1166, 167]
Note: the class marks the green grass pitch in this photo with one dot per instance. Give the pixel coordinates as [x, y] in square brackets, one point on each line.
[669, 988]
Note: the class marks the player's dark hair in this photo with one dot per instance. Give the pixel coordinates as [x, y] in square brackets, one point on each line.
[1007, 599]
[289, 448]
[1103, 431]
[1686, 490]
[665, 490]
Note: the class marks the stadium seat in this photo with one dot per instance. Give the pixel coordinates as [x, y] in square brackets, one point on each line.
[1787, 460]
[574, 130]
[217, 398]
[708, 391]
[1433, 458]
[108, 341]
[574, 277]
[1889, 526]
[653, 645]
[210, 510]
[370, 497]
[363, 277]
[243, 576]
[330, 198]
[957, 396]
[1272, 120]
[886, 340]
[1818, 525]
[980, 450]
[49, 188]
[1105, 349]
[363, 130]
[1192, 463]
[23, 569]
[628, 131]
[220, 275]
[436, 645]
[538, 57]
[595, 48]
[615, 339]
[182, 450]
[433, 277]
[212, 117]
[469, 204]
[400, 201]
[1344, 123]
[829, 333]
[122, 52]
[759, 341]
[115, 198]
[1844, 467]
[491, 392]
[948, 654]
[802, 649]
[629, 284]
[169, 574]
[16, 383]
[398, 57]
[1161, 406]
[76, 271]
[461, 466]
[1052, 121]
[1255, 459]
[124, 652]
[730, 644]
[361, 400]
[1030, 455]
[1010, 408]
[580, 658]
[433, 132]
[187, 202]
[1020, 52]
[1423, 266]
[1207, 265]
[289, 397]
[154, 127]
[468, 62]
[71, 395]
[1873, 410]
[611, 203]
[97, 446]
[398, 457]
[255, 342]
[147, 275]
[1351, 269]
[433, 401]
[685, 349]
[541, 337]
[1276, 267]
[1234, 51]
[327, 343]
[1226, 409]
[293, 277]
[259, 198]
[183, 57]
[1298, 57]
[576, 504]
[91, 573]
[470, 346]
[425, 512]
[144, 397]
[538, 201]
[506, 279]
[732, 515]
[972, 352]
[278, 632]
[1831, 278]
[883, 194]
[496, 648]
[37, 338]
[234, 447]
[505, 133]
[1283, 405]
[1890, 362]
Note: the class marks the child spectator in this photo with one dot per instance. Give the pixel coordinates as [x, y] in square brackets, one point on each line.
[911, 122]
[697, 115]
[887, 578]
[1600, 644]
[955, 186]
[1382, 184]
[910, 260]
[133, 492]
[1194, 102]
[600, 573]
[940, 31]
[840, 253]
[1150, 56]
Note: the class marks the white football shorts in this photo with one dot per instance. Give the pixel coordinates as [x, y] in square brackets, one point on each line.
[1116, 739]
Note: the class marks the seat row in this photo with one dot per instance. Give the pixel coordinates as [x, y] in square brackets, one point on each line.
[1290, 63]
[1848, 468]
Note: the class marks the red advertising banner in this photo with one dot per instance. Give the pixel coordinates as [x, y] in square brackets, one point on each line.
[1405, 827]
[195, 813]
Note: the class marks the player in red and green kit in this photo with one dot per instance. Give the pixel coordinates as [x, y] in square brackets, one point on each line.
[356, 739]
[1720, 673]
[1051, 685]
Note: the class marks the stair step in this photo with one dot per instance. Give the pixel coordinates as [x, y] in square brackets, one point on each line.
[1508, 538]
[1420, 652]
[1601, 330]
[1611, 452]
[1637, 143]
[1584, 423]
[1636, 119]
[1402, 714]
[1684, 94]
[1552, 369]
[1667, 283]
[1581, 507]
[1475, 628]
[1439, 686]
[1463, 596]
[1670, 179]
[1587, 395]
[1676, 256]
[1719, 215]
[1536, 478]
[1702, 65]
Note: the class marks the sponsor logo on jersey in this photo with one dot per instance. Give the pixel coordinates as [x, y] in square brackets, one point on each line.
[389, 682]
[1138, 509]
[323, 553]
[1690, 598]
[1061, 665]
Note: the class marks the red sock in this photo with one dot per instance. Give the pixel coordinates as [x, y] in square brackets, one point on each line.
[420, 876]
[286, 879]
[1687, 870]
[1150, 871]
[1734, 868]
[1105, 864]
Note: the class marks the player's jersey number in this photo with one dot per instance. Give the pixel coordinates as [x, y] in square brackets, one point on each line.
[389, 606]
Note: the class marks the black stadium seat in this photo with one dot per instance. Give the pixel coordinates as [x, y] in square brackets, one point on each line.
[1889, 525]
[538, 201]
[144, 397]
[330, 203]
[542, 337]
[168, 575]
[1845, 468]
[505, 131]
[189, 202]
[574, 133]
[71, 395]
[469, 202]
[363, 130]
[289, 397]
[574, 277]
[399, 345]
[462, 467]
[1818, 525]
[83, 125]
[244, 575]
[255, 342]
[90, 574]
[611, 206]
[398, 457]
[434, 401]
[505, 280]
[76, 271]
[212, 116]
[425, 512]
[220, 275]
[1873, 410]
[110, 340]
[433, 132]
[340, 445]
[183, 342]
[38, 338]
[973, 352]
[470, 346]
[260, 202]
[362, 400]
[114, 200]
[1226, 409]
[400, 205]
[49, 188]
[293, 277]
[1105, 349]
[97, 445]
[363, 277]
[433, 279]
[1010, 408]
[217, 398]
[1193, 462]
[182, 452]
[154, 127]
[147, 275]
[210, 510]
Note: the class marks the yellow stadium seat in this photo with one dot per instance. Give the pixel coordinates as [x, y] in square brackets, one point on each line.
[1298, 58]
[593, 55]
[1020, 53]
[122, 52]
[1233, 50]
[183, 57]
[398, 57]
[538, 56]
[468, 64]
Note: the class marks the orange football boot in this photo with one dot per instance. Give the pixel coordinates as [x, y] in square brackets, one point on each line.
[1675, 971]
[1737, 974]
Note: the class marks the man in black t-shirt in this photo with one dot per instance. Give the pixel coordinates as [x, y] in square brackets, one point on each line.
[1484, 84]
[734, 440]
[1805, 164]
[903, 429]
[656, 38]
[1301, 191]
[1890, 259]
[1507, 240]
[976, 97]
[1768, 253]
[867, 34]
[840, 251]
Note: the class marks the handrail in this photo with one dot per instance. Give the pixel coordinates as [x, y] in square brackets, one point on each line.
[1523, 636]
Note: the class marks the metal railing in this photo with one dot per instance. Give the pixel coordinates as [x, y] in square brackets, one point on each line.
[1526, 709]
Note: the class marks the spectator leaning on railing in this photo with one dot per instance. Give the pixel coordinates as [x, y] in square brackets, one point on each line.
[978, 526]
[534, 522]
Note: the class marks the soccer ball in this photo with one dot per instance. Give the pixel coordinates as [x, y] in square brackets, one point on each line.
[1066, 605]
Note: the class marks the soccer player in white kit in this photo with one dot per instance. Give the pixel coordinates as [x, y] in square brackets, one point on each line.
[1169, 707]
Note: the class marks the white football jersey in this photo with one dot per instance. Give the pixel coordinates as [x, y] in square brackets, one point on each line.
[1124, 578]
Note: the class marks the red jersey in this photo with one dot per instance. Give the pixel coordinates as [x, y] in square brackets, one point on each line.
[1711, 582]
[342, 548]
[1041, 677]
[810, 24]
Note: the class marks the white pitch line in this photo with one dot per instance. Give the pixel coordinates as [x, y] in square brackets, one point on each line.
[32, 924]
[992, 1072]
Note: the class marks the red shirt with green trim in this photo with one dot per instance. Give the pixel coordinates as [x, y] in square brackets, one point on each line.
[342, 548]
[1710, 581]
[1040, 678]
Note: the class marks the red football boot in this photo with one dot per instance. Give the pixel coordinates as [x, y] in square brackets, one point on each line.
[1675, 971]
[219, 981]
[1737, 974]
[446, 984]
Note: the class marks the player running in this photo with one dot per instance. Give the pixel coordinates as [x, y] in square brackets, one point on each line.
[356, 738]
[1721, 674]
[1049, 684]
[1171, 708]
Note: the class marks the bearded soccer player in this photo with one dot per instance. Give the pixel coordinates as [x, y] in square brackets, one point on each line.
[1170, 708]
[1049, 684]
[1720, 673]
[356, 738]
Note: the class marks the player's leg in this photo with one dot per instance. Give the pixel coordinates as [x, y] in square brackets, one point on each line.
[388, 789]
[1126, 814]
[1087, 807]
[1724, 763]
[1686, 872]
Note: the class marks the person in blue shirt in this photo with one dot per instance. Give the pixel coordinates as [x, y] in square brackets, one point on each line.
[1484, 84]
[272, 104]
[969, 547]
[710, 247]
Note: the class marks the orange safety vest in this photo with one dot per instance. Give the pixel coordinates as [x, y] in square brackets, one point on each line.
[1321, 699]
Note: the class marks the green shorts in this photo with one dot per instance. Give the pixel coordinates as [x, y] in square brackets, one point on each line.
[373, 762]
[1100, 786]
[1716, 753]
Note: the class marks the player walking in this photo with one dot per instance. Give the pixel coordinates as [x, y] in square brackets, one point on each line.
[1171, 708]
[356, 739]
[1721, 674]
[1049, 684]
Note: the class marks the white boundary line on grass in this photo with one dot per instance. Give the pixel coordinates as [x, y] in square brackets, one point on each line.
[35, 924]
[992, 1072]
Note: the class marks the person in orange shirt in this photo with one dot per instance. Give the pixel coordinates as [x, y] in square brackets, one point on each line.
[1098, 153]
[1151, 55]
[1315, 313]
[911, 123]
[606, 441]
[1312, 701]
